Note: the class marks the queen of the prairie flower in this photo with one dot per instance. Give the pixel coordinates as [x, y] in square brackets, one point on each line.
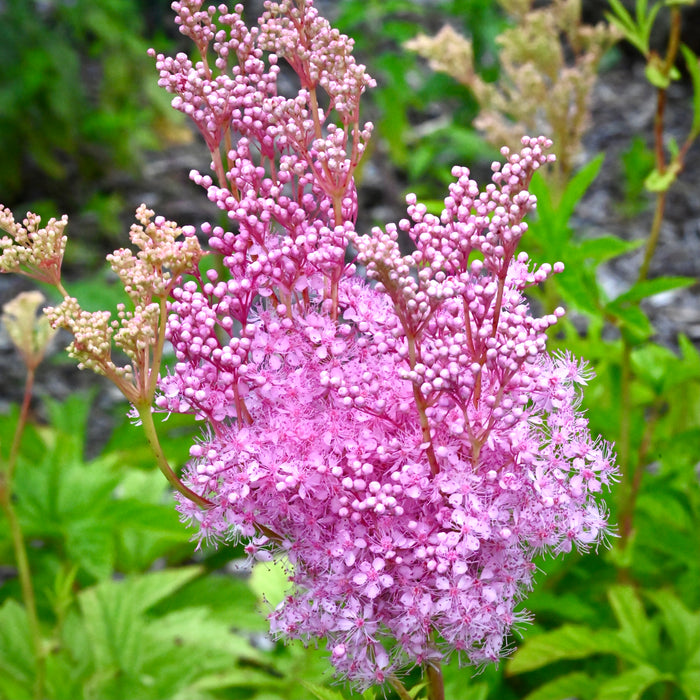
[390, 423]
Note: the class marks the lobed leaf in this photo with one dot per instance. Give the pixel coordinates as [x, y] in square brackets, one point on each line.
[577, 684]
[692, 62]
[635, 628]
[565, 642]
[649, 288]
[630, 685]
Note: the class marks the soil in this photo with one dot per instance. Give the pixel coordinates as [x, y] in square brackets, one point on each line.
[623, 106]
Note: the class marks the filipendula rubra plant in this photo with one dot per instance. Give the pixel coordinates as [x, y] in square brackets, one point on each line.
[389, 424]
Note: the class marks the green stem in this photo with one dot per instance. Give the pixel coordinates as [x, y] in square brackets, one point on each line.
[669, 61]
[436, 685]
[623, 451]
[149, 428]
[20, 550]
[631, 482]
[634, 483]
[21, 423]
[400, 688]
[653, 239]
[25, 579]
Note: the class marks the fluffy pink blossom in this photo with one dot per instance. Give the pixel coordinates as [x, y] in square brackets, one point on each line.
[389, 423]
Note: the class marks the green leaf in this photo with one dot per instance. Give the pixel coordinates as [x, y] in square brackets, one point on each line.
[657, 181]
[229, 598]
[578, 290]
[624, 22]
[113, 615]
[648, 288]
[251, 677]
[635, 628]
[320, 692]
[566, 642]
[632, 321]
[17, 664]
[539, 188]
[114, 626]
[682, 626]
[149, 589]
[646, 21]
[576, 188]
[693, 64]
[130, 514]
[651, 363]
[269, 582]
[605, 248]
[197, 626]
[577, 684]
[629, 685]
[689, 680]
[568, 606]
[656, 75]
[90, 545]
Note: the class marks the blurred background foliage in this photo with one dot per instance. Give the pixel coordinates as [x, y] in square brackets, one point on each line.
[128, 608]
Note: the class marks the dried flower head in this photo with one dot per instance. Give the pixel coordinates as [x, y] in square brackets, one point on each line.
[549, 61]
[31, 250]
[29, 331]
[165, 253]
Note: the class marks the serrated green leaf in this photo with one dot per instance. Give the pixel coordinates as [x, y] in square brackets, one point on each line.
[197, 626]
[113, 615]
[569, 606]
[621, 16]
[566, 642]
[646, 21]
[149, 589]
[629, 685]
[605, 248]
[65, 675]
[648, 288]
[578, 290]
[635, 628]
[682, 626]
[114, 627]
[576, 188]
[689, 352]
[13, 689]
[146, 517]
[320, 692]
[665, 509]
[577, 684]
[249, 677]
[539, 188]
[651, 364]
[90, 545]
[624, 22]
[633, 322]
[17, 664]
[692, 62]
[230, 598]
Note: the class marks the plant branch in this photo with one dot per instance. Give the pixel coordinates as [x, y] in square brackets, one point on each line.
[149, 428]
[18, 544]
[436, 685]
[654, 234]
[400, 688]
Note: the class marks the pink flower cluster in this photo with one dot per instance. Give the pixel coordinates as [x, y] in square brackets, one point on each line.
[391, 424]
